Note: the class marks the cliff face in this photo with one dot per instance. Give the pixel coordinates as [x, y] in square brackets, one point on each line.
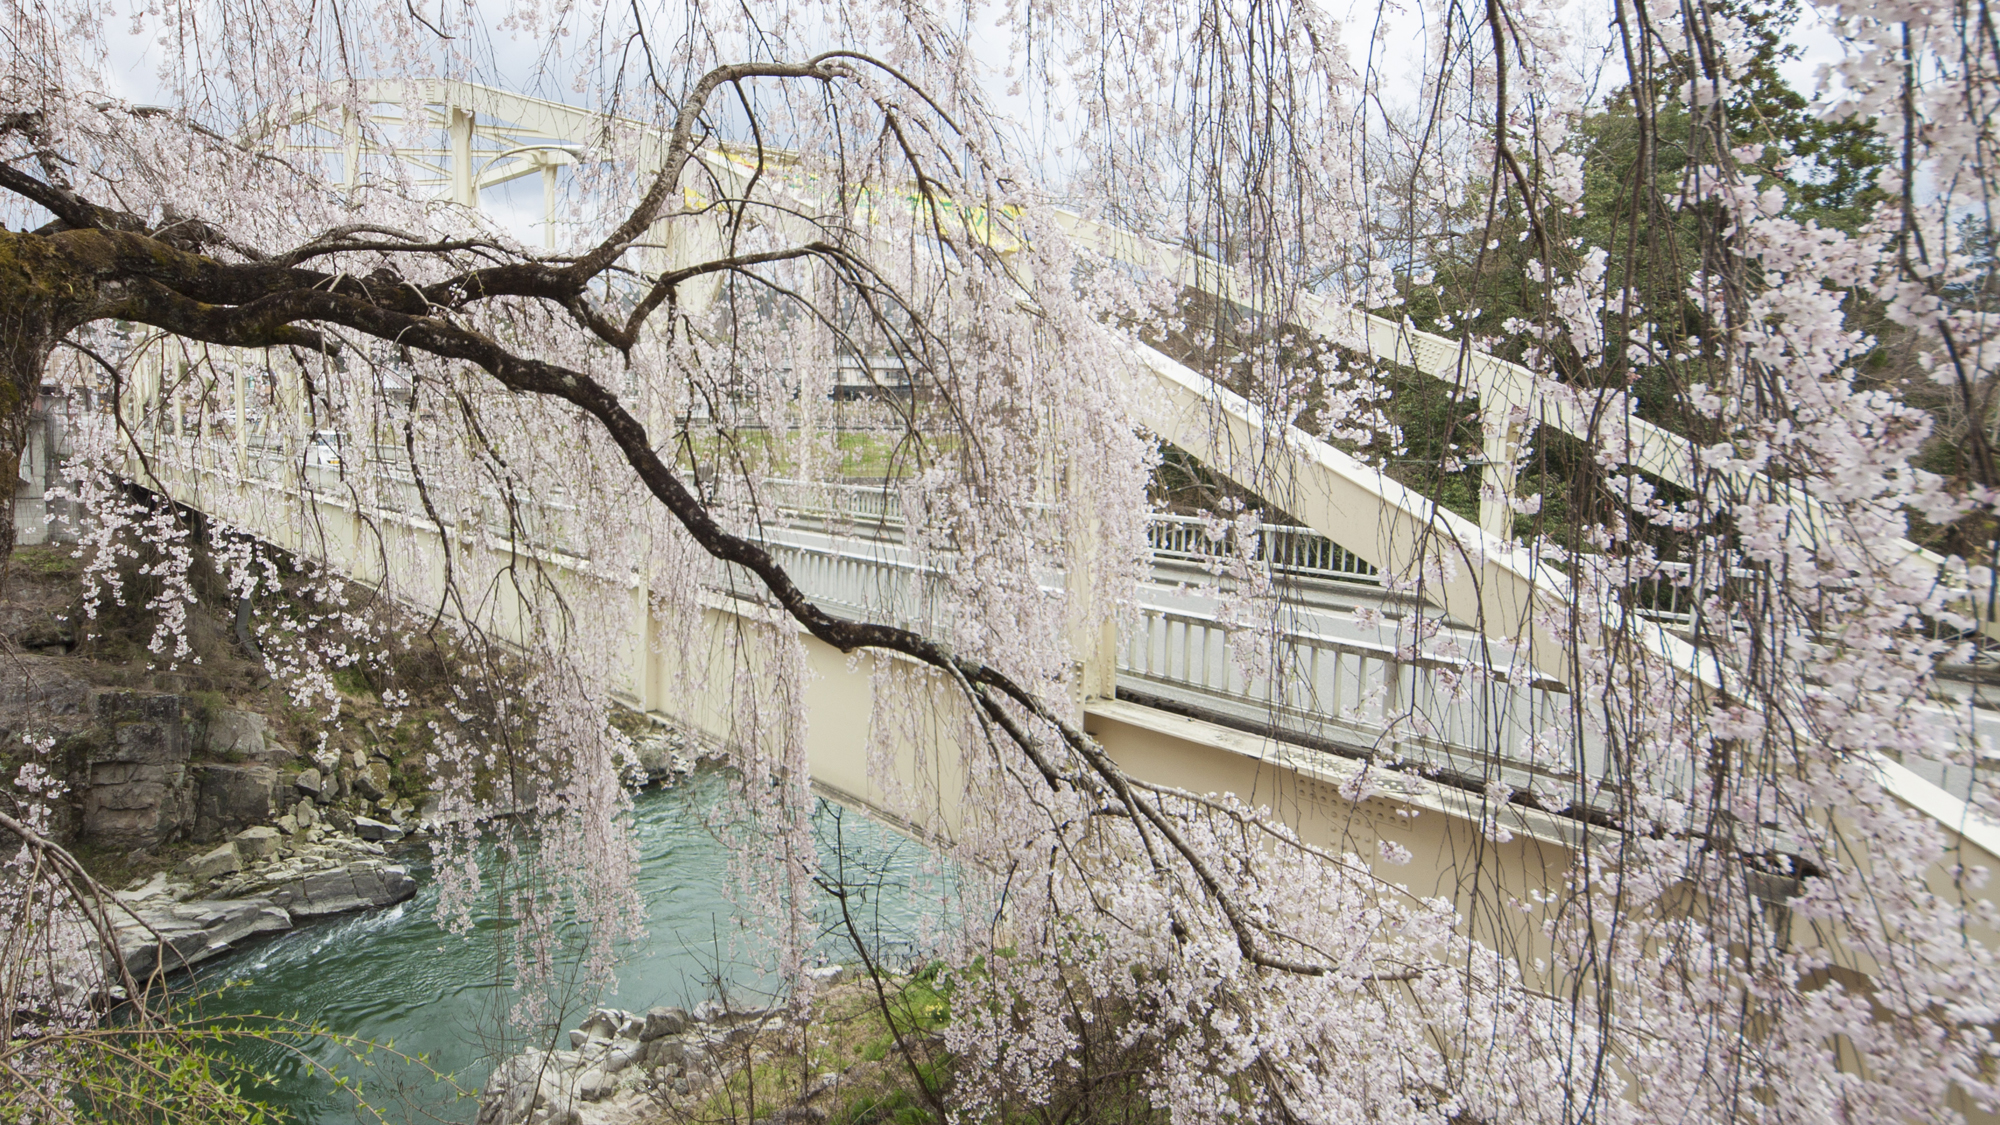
[156, 764]
[181, 775]
[155, 770]
[159, 764]
[145, 769]
[134, 778]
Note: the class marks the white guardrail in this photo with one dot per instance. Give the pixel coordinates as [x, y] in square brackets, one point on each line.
[1287, 549]
[841, 544]
[1357, 698]
[844, 553]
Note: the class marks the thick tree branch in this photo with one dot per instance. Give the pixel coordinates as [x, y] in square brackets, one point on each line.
[68, 207]
[263, 323]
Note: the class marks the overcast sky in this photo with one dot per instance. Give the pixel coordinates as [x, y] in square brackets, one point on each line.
[1395, 54]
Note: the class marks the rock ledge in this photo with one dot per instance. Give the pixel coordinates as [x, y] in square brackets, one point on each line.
[249, 886]
[618, 1065]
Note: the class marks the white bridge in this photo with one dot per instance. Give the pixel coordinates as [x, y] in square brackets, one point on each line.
[1285, 707]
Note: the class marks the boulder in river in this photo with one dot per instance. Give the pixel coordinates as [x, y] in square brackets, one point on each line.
[662, 756]
[356, 886]
[172, 935]
[269, 893]
[532, 1088]
[661, 1022]
[616, 1064]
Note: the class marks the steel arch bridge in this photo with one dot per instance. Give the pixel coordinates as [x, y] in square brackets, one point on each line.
[473, 141]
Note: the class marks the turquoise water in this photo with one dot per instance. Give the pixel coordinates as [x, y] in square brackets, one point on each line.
[395, 976]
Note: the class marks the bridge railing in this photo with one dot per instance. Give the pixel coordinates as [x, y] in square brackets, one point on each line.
[1357, 698]
[1352, 696]
[858, 505]
[1285, 548]
[863, 509]
[1668, 596]
[890, 590]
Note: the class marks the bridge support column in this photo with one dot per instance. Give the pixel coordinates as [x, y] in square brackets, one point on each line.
[1093, 630]
[1097, 668]
[642, 642]
[464, 188]
[1500, 447]
[549, 205]
[350, 157]
[242, 425]
[144, 385]
[687, 239]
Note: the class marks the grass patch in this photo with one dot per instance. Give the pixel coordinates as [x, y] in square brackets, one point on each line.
[205, 705]
[843, 1063]
[47, 561]
[353, 683]
[863, 455]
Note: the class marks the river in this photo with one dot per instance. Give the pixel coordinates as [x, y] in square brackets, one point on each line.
[394, 976]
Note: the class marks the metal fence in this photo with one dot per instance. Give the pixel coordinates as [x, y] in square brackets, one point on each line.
[1439, 714]
[1285, 548]
[1448, 715]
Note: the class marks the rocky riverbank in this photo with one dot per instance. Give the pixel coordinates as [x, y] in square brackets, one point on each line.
[765, 1066]
[260, 882]
[624, 1067]
[158, 776]
[155, 765]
